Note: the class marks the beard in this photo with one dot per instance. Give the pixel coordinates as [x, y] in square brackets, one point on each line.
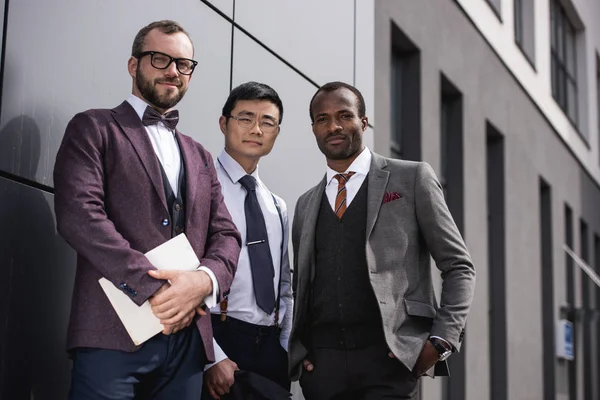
[353, 144]
[148, 90]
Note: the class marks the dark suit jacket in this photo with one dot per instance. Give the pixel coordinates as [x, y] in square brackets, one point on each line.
[402, 235]
[110, 206]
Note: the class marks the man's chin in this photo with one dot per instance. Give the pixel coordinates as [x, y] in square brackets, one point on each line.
[337, 155]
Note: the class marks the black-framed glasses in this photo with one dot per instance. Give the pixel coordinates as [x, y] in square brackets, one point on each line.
[160, 60]
[246, 122]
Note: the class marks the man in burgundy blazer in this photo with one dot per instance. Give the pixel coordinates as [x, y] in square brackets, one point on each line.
[114, 201]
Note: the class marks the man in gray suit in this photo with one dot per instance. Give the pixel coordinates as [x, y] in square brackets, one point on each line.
[366, 321]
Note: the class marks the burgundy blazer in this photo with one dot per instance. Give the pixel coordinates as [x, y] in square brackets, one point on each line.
[110, 206]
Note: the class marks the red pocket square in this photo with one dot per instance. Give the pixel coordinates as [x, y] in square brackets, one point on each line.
[390, 196]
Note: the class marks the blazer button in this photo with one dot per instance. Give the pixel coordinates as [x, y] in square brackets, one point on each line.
[165, 222]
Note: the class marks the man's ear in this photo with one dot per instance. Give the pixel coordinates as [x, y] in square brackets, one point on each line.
[364, 122]
[132, 65]
[223, 123]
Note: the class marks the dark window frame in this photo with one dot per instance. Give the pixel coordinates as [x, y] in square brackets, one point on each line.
[496, 8]
[564, 33]
[519, 31]
[598, 101]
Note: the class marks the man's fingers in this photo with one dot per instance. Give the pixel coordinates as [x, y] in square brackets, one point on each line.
[391, 355]
[161, 290]
[308, 365]
[164, 274]
[168, 329]
[221, 390]
[176, 319]
[212, 393]
[162, 298]
[185, 322]
[201, 311]
[166, 313]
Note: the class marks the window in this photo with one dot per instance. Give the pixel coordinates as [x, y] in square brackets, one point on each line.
[519, 22]
[495, 157]
[548, 318]
[496, 6]
[451, 142]
[405, 101]
[396, 109]
[452, 180]
[586, 325]
[570, 283]
[525, 28]
[598, 100]
[563, 61]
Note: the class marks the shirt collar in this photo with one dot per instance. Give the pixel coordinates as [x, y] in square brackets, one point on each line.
[234, 170]
[360, 165]
[138, 105]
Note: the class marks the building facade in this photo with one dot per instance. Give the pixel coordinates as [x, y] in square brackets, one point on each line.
[501, 97]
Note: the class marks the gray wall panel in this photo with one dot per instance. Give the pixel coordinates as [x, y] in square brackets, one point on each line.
[37, 270]
[319, 42]
[225, 6]
[80, 62]
[296, 143]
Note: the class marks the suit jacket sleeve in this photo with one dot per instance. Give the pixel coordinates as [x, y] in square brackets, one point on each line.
[286, 283]
[448, 249]
[81, 217]
[223, 241]
[296, 231]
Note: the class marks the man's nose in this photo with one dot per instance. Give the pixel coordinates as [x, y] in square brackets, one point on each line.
[171, 70]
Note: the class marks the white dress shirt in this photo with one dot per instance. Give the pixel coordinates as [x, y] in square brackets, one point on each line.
[167, 151]
[360, 166]
[241, 302]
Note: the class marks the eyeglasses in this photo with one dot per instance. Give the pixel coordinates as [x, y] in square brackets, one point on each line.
[265, 125]
[160, 60]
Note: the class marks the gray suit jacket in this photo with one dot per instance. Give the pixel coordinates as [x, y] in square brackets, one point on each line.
[401, 235]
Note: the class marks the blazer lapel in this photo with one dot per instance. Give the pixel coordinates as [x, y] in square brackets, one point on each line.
[378, 179]
[192, 172]
[307, 240]
[131, 125]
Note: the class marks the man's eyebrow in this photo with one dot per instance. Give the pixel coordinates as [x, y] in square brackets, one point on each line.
[269, 117]
[247, 113]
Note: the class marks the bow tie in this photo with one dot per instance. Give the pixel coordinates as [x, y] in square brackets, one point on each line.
[153, 117]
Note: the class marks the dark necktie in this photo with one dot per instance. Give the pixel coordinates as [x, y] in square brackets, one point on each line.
[153, 117]
[340, 198]
[261, 262]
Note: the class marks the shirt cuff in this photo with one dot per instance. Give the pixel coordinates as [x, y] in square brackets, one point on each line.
[211, 299]
[219, 356]
[448, 345]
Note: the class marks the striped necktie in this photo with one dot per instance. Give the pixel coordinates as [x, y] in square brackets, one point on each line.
[340, 198]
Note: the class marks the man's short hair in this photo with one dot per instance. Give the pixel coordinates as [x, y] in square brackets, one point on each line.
[332, 87]
[165, 26]
[252, 91]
